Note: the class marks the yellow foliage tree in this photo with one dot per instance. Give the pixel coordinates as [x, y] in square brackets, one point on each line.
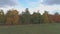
[12, 17]
[45, 17]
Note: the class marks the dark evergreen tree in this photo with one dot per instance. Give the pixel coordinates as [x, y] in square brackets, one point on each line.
[36, 18]
[2, 17]
[25, 17]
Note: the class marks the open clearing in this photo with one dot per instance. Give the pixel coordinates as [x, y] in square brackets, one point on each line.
[31, 29]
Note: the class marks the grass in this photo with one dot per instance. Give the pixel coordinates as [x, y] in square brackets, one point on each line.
[31, 29]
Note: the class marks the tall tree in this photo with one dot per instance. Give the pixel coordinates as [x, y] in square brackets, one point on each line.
[2, 18]
[45, 17]
[12, 17]
[36, 18]
[25, 17]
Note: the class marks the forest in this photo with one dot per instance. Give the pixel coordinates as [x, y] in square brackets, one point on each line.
[12, 17]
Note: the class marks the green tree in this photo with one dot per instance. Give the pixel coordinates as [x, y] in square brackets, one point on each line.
[2, 17]
[25, 17]
[36, 18]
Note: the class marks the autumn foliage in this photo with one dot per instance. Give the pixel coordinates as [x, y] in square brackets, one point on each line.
[12, 17]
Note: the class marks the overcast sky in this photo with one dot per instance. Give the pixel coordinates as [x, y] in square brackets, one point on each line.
[34, 5]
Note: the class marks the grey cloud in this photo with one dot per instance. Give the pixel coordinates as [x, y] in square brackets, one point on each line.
[4, 3]
[51, 2]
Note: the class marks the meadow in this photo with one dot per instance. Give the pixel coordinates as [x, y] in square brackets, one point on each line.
[31, 29]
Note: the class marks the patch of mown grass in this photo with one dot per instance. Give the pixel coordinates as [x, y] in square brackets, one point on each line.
[31, 29]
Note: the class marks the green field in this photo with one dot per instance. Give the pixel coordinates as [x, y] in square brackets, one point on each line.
[31, 29]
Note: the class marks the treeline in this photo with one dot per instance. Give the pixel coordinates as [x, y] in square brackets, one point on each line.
[12, 17]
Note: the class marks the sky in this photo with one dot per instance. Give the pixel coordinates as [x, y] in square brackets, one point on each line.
[51, 6]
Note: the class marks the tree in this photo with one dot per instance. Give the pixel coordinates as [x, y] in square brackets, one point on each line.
[2, 17]
[57, 17]
[25, 17]
[45, 17]
[12, 17]
[36, 18]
